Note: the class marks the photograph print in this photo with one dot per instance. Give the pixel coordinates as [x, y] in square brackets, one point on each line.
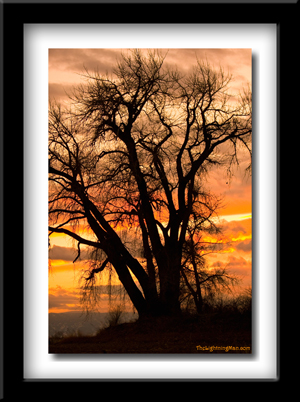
[150, 201]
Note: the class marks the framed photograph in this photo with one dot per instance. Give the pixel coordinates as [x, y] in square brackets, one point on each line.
[150, 197]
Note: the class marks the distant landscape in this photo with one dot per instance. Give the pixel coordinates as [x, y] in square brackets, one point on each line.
[78, 323]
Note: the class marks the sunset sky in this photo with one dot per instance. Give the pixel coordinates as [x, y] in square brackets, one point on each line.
[65, 69]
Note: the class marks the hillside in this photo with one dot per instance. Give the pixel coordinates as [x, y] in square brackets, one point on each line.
[185, 334]
[74, 323]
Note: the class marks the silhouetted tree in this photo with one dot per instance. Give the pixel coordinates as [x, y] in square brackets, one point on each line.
[203, 236]
[133, 152]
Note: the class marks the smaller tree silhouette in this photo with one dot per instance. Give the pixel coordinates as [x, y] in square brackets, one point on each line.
[197, 279]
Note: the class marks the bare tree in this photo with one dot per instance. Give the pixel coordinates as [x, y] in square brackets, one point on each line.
[197, 279]
[133, 152]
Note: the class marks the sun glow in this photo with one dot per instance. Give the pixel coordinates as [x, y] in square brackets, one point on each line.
[236, 217]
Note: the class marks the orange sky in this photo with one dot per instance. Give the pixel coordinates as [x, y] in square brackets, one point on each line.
[65, 67]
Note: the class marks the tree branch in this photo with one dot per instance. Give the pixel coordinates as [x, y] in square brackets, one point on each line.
[74, 236]
[96, 270]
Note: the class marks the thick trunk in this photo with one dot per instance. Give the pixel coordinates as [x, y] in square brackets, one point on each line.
[169, 276]
[167, 258]
[169, 303]
[116, 254]
[145, 304]
[133, 291]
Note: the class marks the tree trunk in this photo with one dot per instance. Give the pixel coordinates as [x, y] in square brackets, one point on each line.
[169, 276]
[117, 254]
[131, 288]
[198, 302]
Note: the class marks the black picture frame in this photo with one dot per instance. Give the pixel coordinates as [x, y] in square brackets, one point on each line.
[13, 17]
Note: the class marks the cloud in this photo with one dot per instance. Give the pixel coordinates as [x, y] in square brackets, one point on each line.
[67, 254]
[69, 299]
[63, 299]
[235, 60]
[66, 65]
[62, 253]
[245, 245]
[59, 91]
[239, 266]
[237, 262]
[235, 229]
[234, 265]
[79, 60]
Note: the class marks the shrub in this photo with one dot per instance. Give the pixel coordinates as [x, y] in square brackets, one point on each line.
[114, 315]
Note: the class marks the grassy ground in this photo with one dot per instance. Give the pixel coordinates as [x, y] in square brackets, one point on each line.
[209, 333]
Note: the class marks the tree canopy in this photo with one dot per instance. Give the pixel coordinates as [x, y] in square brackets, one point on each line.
[134, 151]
